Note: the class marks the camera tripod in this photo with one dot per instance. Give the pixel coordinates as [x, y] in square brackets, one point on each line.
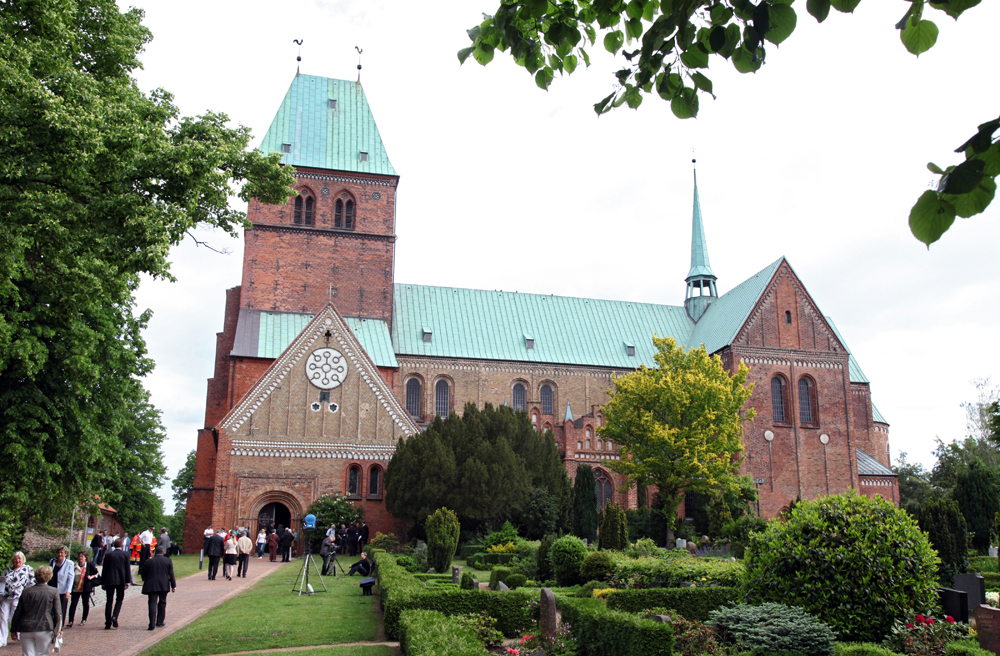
[302, 580]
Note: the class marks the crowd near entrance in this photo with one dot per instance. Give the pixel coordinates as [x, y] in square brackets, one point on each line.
[274, 513]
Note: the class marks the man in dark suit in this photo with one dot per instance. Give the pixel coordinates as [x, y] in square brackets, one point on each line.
[364, 534]
[215, 549]
[157, 579]
[115, 577]
[286, 544]
[352, 539]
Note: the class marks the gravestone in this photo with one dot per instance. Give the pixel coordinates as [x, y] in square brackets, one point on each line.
[475, 584]
[502, 586]
[993, 552]
[456, 573]
[680, 543]
[662, 619]
[975, 585]
[988, 627]
[547, 613]
[955, 603]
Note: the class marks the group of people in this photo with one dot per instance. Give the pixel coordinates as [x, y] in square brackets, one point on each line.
[232, 547]
[349, 540]
[277, 540]
[34, 602]
[141, 546]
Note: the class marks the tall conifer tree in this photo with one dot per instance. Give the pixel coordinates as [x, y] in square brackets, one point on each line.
[585, 504]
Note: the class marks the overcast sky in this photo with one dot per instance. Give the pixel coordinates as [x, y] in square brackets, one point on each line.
[818, 156]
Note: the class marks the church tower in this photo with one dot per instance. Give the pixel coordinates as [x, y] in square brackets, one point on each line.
[335, 240]
[700, 280]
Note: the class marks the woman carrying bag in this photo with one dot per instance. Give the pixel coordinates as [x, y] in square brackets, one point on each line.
[83, 586]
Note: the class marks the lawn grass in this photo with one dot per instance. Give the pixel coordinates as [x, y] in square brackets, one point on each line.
[354, 650]
[268, 615]
[186, 565]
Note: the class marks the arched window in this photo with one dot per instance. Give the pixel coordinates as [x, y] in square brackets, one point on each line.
[338, 214]
[375, 482]
[579, 446]
[779, 405]
[600, 445]
[588, 445]
[354, 481]
[788, 317]
[343, 213]
[303, 214]
[603, 487]
[546, 395]
[520, 403]
[808, 403]
[413, 397]
[442, 398]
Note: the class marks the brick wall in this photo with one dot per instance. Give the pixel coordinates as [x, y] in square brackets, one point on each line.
[296, 268]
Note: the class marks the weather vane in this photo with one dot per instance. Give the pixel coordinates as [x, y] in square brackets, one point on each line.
[359, 62]
[298, 58]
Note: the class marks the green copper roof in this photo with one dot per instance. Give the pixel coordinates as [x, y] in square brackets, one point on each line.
[324, 136]
[877, 416]
[261, 334]
[491, 325]
[699, 246]
[725, 316]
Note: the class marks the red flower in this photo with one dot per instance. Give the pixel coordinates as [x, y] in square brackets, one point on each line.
[949, 619]
[920, 619]
[930, 620]
[909, 626]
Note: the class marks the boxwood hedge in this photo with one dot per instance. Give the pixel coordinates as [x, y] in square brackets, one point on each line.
[691, 603]
[430, 633]
[641, 572]
[600, 631]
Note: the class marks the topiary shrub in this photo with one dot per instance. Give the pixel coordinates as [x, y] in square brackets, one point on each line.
[545, 572]
[772, 627]
[442, 538]
[515, 581]
[465, 583]
[856, 563]
[567, 556]
[498, 575]
[597, 566]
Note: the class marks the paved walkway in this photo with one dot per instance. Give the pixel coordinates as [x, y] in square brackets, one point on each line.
[195, 595]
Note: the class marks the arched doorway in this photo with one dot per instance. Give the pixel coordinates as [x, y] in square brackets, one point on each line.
[275, 512]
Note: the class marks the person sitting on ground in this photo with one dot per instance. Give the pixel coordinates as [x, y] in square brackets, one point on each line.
[363, 566]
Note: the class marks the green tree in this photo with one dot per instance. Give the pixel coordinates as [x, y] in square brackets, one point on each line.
[97, 181]
[942, 521]
[184, 482]
[332, 509]
[915, 487]
[585, 504]
[955, 457]
[977, 492]
[483, 464]
[667, 45]
[718, 515]
[442, 539]
[614, 528]
[541, 514]
[679, 425]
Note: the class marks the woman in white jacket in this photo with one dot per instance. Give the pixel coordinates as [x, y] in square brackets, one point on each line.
[63, 573]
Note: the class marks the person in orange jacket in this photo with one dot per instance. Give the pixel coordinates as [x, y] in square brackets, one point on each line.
[136, 547]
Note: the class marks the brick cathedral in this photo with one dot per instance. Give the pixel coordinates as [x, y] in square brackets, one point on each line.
[324, 361]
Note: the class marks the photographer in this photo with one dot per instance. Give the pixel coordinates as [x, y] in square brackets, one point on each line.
[326, 550]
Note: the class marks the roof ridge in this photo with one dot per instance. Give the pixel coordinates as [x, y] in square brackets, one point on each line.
[505, 291]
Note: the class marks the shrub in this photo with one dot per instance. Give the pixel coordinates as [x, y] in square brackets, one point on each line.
[526, 566]
[567, 556]
[586, 590]
[772, 627]
[677, 567]
[585, 504]
[430, 633]
[484, 626]
[336, 509]
[510, 547]
[613, 528]
[545, 572]
[861, 649]
[644, 548]
[977, 491]
[420, 554]
[442, 538]
[507, 533]
[692, 603]
[965, 648]
[597, 566]
[922, 636]
[465, 583]
[498, 558]
[410, 564]
[561, 644]
[385, 542]
[469, 548]
[499, 574]
[541, 514]
[691, 637]
[719, 515]
[602, 632]
[942, 520]
[854, 562]
[738, 532]
[515, 581]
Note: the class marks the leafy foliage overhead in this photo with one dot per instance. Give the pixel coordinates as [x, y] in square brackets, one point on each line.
[97, 181]
[483, 465]
[680, 424]
[667, 46]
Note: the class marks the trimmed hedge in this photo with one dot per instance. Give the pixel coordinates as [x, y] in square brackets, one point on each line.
[399, 591]
[603, 632]
[430, 633]
[639, 573]
[862, 649]
[515, 581]
[967, 647]
[691, 603]
[481, 560]
[467, 550]
[499, 574]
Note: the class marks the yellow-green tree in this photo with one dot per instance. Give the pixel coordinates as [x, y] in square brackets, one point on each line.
[679, 425]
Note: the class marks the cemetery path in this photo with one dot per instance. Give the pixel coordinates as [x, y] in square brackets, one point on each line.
[195, 595]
